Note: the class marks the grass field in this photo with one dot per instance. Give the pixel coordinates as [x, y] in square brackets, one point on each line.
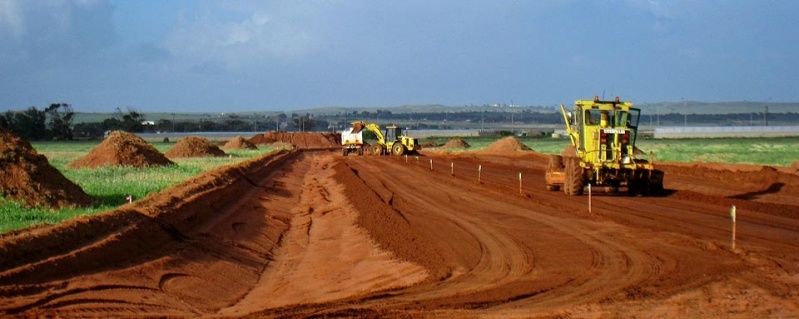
[759, 151]
[109, 186]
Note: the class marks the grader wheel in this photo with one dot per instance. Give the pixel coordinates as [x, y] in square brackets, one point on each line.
[574, 177]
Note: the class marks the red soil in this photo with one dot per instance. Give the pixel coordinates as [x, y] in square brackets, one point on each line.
[239, 143]
[27, 176]
[122, 149]
[455, 143]
[194, 146]
[302, 140]
[315, 234]
[505, 146]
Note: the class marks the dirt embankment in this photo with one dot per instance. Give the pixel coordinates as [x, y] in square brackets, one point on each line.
[27, 176]
[167, 246]
[122, 149]
[301, 140]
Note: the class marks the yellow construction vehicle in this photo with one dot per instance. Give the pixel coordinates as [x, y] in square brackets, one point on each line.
[389, 141]
[602, 151]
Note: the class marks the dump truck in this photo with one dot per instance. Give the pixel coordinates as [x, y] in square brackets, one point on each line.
[352, 139]
[389, 141]
[602, 151]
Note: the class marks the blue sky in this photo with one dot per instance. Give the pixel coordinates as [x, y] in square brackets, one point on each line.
[240, 56]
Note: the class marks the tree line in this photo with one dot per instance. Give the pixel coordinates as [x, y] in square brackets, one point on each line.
[52, 123]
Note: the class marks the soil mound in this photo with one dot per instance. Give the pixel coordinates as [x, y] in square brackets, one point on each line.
[194, 146]
[302, 140]
[122, 149]
[239, 143]
[27, 176]
[795, 166]
[429, 144]
[456, 143]
[505, 146]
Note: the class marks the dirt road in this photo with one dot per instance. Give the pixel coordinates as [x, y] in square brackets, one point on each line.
[317, 234]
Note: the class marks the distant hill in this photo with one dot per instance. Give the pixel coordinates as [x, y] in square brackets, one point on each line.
[681, 107]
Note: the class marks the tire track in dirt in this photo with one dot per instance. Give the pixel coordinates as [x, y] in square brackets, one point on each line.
[510, 266]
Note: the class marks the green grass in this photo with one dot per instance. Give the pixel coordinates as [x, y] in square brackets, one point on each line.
[758, 151]
[109, 186]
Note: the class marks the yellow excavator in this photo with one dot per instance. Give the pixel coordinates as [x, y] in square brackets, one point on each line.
[389, 141]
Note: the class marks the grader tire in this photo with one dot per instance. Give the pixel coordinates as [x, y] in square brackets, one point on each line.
[656, 183]
[574, 178]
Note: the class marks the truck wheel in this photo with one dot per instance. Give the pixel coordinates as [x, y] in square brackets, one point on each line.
[398, 149]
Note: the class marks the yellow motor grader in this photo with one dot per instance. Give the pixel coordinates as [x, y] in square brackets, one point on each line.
[602, 151]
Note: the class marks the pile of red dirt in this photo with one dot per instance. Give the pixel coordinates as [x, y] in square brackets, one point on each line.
[239, 143]
[429, 144]
[122, 149]
[795, 166]
[194, 146]
[27, 176]
[456, 143]
[505, 146]
[301, 140]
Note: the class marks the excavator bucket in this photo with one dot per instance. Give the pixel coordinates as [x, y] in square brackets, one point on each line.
[357, 126]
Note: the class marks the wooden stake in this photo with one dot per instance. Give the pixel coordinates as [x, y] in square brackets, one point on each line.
[520, 184]
[431, 164]
[479, 172]
[452, 168]
[406, 158]
[732, 214]
[589, 198]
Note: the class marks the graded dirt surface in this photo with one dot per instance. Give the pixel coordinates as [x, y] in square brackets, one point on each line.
[299, 234]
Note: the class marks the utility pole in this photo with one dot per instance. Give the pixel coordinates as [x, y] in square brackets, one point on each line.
[765, 116]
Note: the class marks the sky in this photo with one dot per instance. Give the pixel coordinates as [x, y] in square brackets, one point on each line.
[247, 55]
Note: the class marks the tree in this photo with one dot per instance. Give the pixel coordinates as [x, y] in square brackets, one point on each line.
[28, 124]
[130, 122]
[60, 123]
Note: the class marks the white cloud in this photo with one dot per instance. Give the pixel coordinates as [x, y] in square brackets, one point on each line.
[10, 18]
[243, 36]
